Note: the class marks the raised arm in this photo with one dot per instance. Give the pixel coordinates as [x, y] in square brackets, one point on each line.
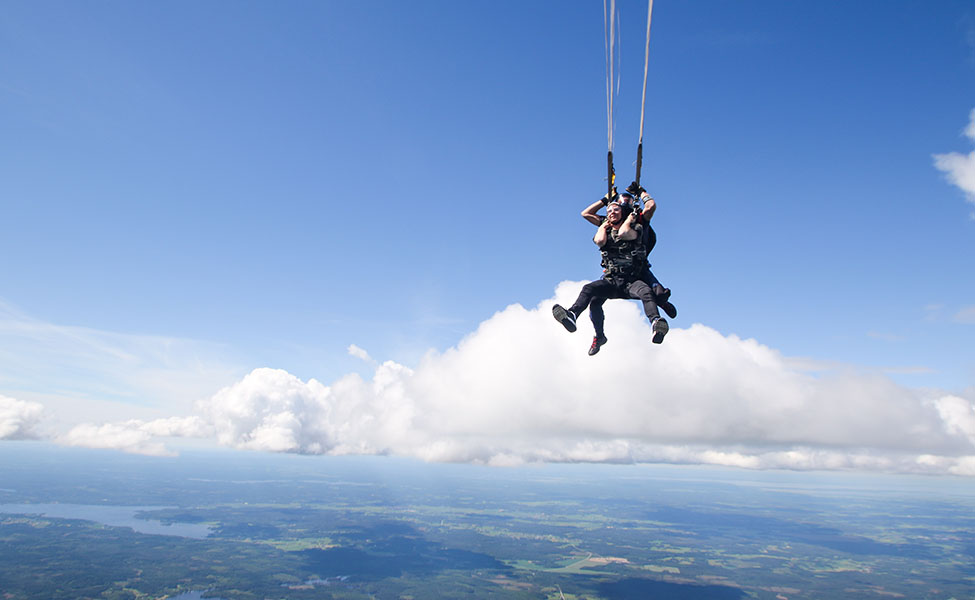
[649, 205]
[590, 213]
[629, 230]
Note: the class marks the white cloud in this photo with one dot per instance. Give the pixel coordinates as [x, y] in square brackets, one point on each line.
[960, 168]
[135, 436]
[19, 419]
[359, 353]
[958, 416]
[271, 409]
[701, 397]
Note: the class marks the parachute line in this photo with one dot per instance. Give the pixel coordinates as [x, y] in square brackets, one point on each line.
[646, 64]
[610, 33]
[643, 102]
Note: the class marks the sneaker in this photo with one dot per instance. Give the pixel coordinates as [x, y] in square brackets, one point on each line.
[669, 308]
[662, 293]
[597, 341]
[565, 317]
[660, 329]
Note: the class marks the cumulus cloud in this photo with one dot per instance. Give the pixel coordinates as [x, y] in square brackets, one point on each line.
[271, 409]
[701, 397]
[19, 419]
[958, 416]
[960, 168]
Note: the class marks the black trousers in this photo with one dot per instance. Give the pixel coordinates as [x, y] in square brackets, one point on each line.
[598, 317]
[597, 292]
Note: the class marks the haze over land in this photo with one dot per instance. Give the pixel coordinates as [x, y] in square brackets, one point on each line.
[79, 523]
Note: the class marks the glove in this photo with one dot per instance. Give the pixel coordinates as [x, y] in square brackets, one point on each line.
[635, 189]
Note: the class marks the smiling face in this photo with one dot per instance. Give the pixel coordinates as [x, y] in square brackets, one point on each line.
[614, 213]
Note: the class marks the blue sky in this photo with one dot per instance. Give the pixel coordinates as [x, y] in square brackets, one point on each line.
[194, 191]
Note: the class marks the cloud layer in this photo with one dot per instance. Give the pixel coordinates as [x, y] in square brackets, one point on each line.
[521, 389]
[136, 436]
[960, 168]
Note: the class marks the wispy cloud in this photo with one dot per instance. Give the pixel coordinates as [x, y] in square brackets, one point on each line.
[360, 353]
[960, 168]
[965, 315]
[932, 311]
[968, 26]
[38, 358]
[701, 397]
[886, 337]
[907, 370]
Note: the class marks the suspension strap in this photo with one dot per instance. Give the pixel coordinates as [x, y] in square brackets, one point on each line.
[643, 103]
[609, 30]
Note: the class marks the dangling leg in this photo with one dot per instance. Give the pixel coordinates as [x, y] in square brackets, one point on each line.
[641, 291]
[598, 288]
[662, 294]
[663, 300]
[598, 318]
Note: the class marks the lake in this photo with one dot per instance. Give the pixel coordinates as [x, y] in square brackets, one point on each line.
[111, 515]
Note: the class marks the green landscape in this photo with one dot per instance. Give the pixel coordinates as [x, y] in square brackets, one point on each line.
[297, 528]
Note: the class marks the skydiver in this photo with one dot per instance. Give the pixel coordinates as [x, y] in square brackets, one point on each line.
[624, 260]
[649, 240]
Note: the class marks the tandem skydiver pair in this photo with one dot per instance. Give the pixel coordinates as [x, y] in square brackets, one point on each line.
[624, 238]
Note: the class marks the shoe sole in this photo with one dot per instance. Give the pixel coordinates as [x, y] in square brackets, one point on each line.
[660, 329]
[669, 308]
[562, 316]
